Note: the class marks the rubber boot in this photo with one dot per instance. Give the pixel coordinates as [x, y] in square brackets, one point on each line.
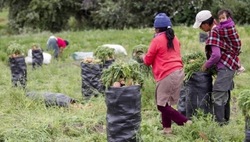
[227, 108]
[219, 112]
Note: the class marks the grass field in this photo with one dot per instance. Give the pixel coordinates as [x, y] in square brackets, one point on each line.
[24, 120]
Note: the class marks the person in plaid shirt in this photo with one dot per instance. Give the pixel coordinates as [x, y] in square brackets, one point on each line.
[221, 55]
[229, 32]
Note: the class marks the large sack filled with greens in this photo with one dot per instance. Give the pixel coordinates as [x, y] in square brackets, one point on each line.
[123, 100]
[123, 113]
[18, 69]
[17, 64]
[46, 57]
[51, 99]
[91, 74]
[37, 58]
[106, 55]
[197, 87]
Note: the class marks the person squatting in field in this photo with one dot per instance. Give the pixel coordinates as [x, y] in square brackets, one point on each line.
[224, 57]
[57, 44]
[164, 56]
[227, 25]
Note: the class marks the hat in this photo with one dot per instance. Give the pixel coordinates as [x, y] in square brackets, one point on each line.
[162, 21]
[200, 17]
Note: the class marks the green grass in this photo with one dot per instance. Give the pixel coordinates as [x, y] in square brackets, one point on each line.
[25, 120]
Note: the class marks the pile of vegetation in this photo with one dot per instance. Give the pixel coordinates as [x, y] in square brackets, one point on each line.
[104, 53]
[90, 60]
[244, 102]
[15, 49]
[126, 74]
[193, 63]
[139, 50]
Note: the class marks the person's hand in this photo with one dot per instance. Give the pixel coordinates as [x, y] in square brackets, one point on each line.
[203, 68]
[61, 50]
[142, 56]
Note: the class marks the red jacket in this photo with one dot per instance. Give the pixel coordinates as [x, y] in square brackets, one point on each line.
[163, 60]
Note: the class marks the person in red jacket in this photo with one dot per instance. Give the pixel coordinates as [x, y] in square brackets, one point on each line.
[164, 55]
[57, 44]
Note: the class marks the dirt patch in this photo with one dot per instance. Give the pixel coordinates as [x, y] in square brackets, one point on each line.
[2, 20]
[99, 128]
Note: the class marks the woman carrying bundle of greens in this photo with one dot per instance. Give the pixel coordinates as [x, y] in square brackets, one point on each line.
[165, 58]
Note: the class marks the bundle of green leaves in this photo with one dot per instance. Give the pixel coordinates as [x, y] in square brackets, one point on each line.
[104, 53]
[244, 102]
[129, 73]
[193, 63]
[15, 48]
[138, 50]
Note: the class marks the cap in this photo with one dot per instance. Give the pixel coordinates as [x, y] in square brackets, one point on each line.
[200, 17]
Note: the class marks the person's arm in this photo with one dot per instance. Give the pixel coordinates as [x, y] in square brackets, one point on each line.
[214, 58]
[148, 59]
[60, 52]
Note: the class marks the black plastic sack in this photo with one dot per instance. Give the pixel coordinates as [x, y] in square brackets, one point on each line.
[181, 106]
[199, 88]
[91, 84]
[247, 129]
[123, 113]
[52, 99]
[37, 58]
[18, 69]
[107, 63]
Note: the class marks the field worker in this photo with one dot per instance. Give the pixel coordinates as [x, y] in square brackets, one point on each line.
[57, 44]
[164, 56]
[221, 55]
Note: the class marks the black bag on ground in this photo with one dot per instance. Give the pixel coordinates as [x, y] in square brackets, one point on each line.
[123, 113]
[91, 84]
[199, 88]
[37, 58]
[52, 99]
[18, 69]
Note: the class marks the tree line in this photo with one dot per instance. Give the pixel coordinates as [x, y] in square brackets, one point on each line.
[58, 15]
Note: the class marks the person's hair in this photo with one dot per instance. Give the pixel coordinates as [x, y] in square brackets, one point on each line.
[169, 35]
[209, 21]
[226, 11]
[66, 42]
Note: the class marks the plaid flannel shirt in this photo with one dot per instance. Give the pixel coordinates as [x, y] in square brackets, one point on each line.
[228, 41]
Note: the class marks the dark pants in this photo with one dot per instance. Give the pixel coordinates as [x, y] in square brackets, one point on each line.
[169, 114]
[221, 95]
[227, 107]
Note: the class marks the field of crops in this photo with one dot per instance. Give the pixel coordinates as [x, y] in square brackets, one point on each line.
[23, 119]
